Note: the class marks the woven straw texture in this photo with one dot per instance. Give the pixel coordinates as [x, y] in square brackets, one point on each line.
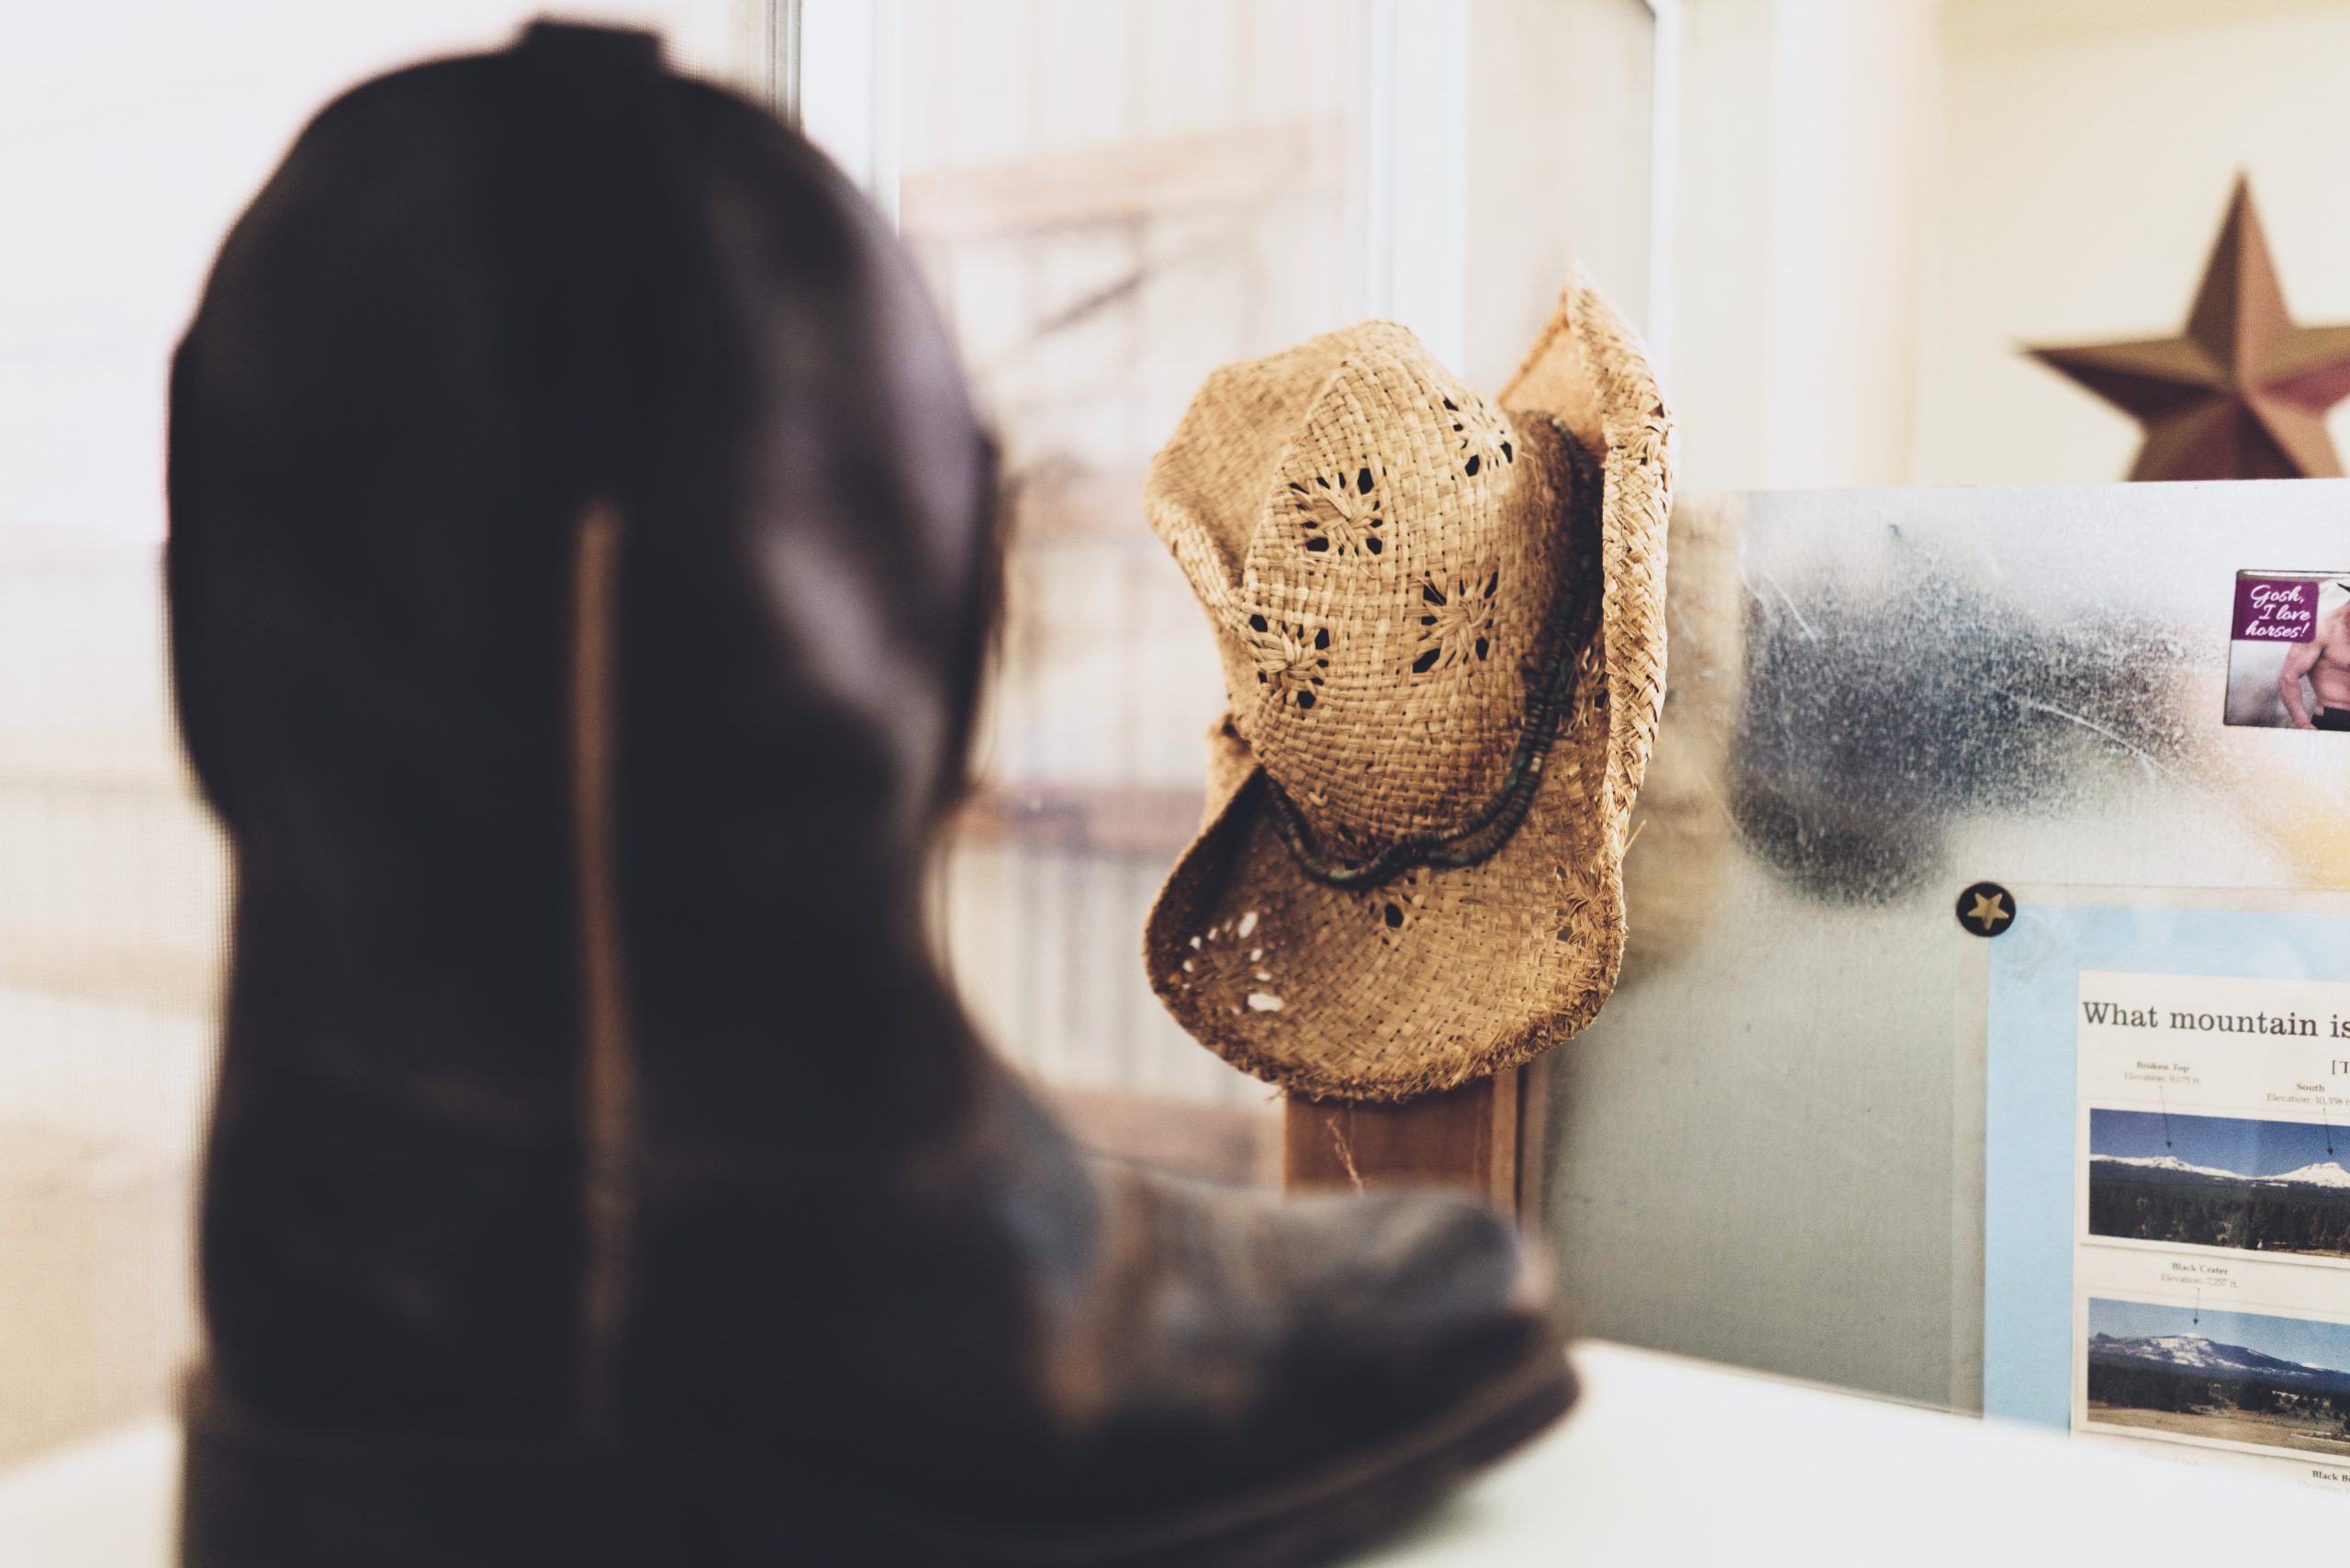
[1397, 572]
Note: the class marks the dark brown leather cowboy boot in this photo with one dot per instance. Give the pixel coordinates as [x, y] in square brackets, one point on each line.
[578, 579]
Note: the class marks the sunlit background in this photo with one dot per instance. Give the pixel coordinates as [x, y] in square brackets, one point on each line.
[1838, 219]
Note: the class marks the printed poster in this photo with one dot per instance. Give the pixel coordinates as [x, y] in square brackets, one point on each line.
[2167, 1179]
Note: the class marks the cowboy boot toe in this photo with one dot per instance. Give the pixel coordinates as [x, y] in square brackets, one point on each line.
[1418, 1298]
[1329, 1356]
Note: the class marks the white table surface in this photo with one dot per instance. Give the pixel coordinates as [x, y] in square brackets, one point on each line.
[1666, 1460]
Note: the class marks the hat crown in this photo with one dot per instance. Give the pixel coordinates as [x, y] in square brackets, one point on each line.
[1381, 576]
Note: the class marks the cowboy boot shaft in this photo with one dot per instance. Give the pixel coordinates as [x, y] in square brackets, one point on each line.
[363, 599]
[560, 307]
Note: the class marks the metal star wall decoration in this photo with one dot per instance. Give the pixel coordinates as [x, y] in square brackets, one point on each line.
[2243, 393]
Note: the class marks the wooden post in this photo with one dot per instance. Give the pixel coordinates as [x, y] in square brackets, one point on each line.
[1485, 1136]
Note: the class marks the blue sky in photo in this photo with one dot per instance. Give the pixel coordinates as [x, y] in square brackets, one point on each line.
[2287, 1339]
[2227, 1143]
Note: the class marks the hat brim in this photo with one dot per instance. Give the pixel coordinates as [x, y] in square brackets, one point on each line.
[1424, 984]
[1440, 977]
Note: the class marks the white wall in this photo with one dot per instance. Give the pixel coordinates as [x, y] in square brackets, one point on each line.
[2089, 146]
[1558, 167]
[1808, 144]
[1883, 200]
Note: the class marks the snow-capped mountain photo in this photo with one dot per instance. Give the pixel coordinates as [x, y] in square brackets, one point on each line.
[2238, 1378]
[2200, 1354]
[2231, 1181]
[2325, 1174]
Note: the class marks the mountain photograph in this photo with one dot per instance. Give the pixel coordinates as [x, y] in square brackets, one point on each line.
[2239, 1377]
[2260, 1186]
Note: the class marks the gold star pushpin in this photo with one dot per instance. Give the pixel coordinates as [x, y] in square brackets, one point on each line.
[1982, 908]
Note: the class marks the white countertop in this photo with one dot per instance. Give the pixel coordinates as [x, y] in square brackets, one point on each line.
[1666, 1460]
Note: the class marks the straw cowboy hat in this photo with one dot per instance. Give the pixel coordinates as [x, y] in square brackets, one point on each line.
[1441, 622]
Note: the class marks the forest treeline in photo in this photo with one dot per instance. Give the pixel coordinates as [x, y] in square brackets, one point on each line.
[2220, 1213]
